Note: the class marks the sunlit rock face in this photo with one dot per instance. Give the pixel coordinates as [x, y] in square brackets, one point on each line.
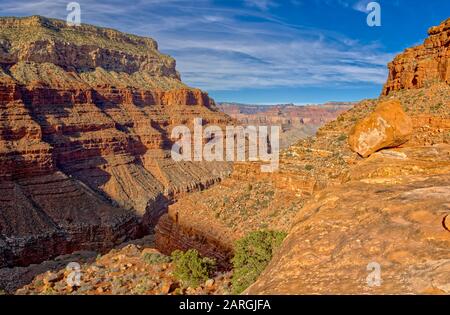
[422, 65]
[388, 126]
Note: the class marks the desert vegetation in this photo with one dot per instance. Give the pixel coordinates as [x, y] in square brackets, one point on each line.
[192, 269]
[252, 255]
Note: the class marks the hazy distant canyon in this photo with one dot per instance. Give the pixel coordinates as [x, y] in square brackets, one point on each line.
[296, 122]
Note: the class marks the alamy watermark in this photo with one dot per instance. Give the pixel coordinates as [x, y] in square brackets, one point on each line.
[74, 17]
[235, 144]
[374, 17]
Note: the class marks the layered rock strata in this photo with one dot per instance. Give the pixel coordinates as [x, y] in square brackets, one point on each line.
[422, 65]
[85, 120]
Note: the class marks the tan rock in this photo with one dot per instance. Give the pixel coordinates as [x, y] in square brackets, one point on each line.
[367, 223]
[209, 283]
[388, 126]
[168, 287]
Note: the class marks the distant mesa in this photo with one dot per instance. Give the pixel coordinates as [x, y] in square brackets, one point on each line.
[297, 122]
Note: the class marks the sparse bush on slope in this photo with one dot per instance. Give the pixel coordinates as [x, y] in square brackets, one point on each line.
[191, 269]
[252, 255]
[155, 258]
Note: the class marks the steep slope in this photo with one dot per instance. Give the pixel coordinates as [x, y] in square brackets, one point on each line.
[85, 120]
[343, 212]
[387, 214]
[390, 210]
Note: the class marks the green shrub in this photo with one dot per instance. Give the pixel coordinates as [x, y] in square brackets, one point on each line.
[155, 258]
[191, 269]
[252, 255]
[309, 167]
[342, 137]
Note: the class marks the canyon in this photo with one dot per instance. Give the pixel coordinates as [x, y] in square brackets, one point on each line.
[85, 166]
[296, 121]
[85, 122]
[342, 210]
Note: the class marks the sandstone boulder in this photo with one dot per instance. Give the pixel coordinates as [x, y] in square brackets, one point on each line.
[388, 126]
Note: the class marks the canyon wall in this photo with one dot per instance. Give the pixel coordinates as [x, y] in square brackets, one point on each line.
[423, 65]
[85, 121]
[212, 221]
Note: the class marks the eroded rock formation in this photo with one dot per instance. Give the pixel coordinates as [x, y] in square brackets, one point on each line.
[85, 121]
[423, 65]
[344, 213]
[392, 220]
[296, 122]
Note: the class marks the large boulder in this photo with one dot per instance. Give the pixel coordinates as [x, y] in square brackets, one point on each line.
[388, 126]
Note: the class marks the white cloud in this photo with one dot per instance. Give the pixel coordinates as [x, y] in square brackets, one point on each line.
[361, 5]
[216, 49]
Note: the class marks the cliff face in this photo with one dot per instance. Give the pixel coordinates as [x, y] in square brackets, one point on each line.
[390, 210]
[85, 121]
[423, 65]
[315, 115]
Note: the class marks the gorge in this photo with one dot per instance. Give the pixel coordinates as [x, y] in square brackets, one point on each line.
[86, 115]
[85, 165]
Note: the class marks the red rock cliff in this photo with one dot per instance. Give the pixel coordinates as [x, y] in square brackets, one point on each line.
[85, 121]
[420, 66]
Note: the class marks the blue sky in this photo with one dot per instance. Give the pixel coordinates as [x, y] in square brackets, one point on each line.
[266, 51]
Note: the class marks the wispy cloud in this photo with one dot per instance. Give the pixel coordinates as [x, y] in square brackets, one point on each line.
[220, 47]
[358, 5]
[361, 5]
[260, 4]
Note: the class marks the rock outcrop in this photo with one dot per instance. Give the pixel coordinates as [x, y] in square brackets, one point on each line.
[393, 221]
[423, 65]
[388, 126]
[85, 121]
